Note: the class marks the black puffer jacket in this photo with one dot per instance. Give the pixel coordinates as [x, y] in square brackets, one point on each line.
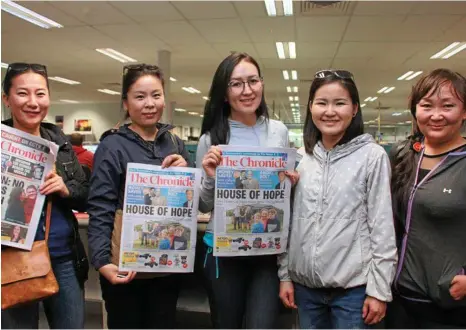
[68, 167]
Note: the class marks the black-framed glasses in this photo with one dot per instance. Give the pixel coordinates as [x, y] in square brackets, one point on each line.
[22, 67]
[342, 74]
[238, 86]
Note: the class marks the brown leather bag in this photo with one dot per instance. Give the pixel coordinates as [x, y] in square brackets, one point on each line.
[27, 276]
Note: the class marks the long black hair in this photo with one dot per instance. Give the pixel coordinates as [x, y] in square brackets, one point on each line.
[404, 160]
[217, 109]
[311, 134]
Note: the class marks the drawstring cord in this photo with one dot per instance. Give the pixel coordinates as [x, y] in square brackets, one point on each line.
[217, 271]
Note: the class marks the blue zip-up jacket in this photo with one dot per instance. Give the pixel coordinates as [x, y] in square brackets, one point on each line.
[117, 148]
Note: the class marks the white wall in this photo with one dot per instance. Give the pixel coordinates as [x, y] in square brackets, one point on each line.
[105, 116]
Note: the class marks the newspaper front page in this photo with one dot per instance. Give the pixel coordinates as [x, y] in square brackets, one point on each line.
[26, 160]
[252, 201]
[159, 219]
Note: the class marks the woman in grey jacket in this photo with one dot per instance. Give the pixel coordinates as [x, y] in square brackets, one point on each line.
[342, 252]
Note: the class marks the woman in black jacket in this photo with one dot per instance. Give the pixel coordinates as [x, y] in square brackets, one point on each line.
[130, 301]
[26, 93]
[429, 192]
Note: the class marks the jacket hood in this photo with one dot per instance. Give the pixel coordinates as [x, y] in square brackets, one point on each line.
[343, 149]
[129, 134]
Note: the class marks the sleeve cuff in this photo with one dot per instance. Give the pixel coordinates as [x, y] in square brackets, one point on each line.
[101, 262]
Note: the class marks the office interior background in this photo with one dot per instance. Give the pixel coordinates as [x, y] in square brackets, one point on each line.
[387, 45]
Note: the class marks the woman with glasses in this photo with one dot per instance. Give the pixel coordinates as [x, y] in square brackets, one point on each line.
[342, 253]
[429, 194]
[145, 301]
[26, 93]
[243, 291]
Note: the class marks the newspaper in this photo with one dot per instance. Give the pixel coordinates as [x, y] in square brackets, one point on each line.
[252, 201]
[26, 160]
[159, 219]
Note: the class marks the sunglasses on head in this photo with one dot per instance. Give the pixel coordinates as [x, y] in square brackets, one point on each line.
[22, 67]
[342, 74]
[138, 67]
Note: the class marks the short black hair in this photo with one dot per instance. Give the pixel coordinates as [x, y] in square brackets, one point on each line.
[131, 73]
[217, 110]
[17, 68]
[311, 134]
[76, 139]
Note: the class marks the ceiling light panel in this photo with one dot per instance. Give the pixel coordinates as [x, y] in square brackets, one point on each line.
[108, 91]
[115, 55]
[65, 81]
[30, 16]
[450, 50]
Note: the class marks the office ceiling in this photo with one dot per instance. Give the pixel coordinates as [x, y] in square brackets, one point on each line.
[378, 41]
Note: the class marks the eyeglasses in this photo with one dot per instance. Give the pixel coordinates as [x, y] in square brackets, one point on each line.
[238, 86]
[343, 74]
[22, 67]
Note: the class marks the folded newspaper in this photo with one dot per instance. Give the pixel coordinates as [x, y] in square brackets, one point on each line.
[26, 160]
[252, 201]
[159, 219]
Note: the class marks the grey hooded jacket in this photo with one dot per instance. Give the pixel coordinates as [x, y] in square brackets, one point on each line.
[342, 231]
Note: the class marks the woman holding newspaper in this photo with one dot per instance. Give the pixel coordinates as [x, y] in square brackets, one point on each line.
[26, 94]
[240, 288]
[342, 253]
[132, 302]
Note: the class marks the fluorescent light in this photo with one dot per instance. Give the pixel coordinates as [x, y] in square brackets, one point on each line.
[396, 114]
[363, 105]
[28, 15]
[193, 113]
[108, 91]
[367, 99]
[69, 101]
[292, 48]
[286, 76]
[4, 65]
[445, 50]
[270, 7]
[276, 116]
[291, 98]
[205, 98]
[65, 81]
[373, 98]
[408, 122]
[455, 51]
[172, 79]
[414, 75]
[296, 98]
[294, 75]
[280, 50]
[402, 77]
[202, 116]
[295, 89]
[180, 110]
[388, 90]
[288, 7]
[288, 89]
[382, 90]
[115, 55]
[191, 90]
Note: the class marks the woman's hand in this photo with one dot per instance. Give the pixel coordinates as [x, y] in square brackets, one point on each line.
[373, 310]
[54, 183]
[111, 273]
[458, 287]
[174, 161]
[293, 176]
[287, 294]
[211, 160]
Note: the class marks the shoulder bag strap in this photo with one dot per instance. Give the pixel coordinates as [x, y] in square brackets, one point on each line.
[48, 214]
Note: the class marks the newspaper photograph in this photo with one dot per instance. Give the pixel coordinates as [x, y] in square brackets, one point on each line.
[159, 219]
[252, 201]
[26, 160]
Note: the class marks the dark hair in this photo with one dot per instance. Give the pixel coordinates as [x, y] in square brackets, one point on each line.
[132, 72]
[76, 139]
[404, 162]
[31, 186]
[217, 109]
[18, 68]
[311, 134]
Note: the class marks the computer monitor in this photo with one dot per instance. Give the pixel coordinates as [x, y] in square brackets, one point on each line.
[91, 147]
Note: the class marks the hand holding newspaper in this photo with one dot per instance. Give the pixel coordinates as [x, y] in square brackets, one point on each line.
[26, 160]
[159, 219]
[252, 201]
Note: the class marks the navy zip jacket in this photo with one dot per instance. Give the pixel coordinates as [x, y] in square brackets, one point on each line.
[117, 148]
[432, 235]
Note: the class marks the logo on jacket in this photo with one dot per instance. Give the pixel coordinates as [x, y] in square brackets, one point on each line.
[445, 190]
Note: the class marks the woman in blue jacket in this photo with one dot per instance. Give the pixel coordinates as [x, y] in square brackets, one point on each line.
[132, 303]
